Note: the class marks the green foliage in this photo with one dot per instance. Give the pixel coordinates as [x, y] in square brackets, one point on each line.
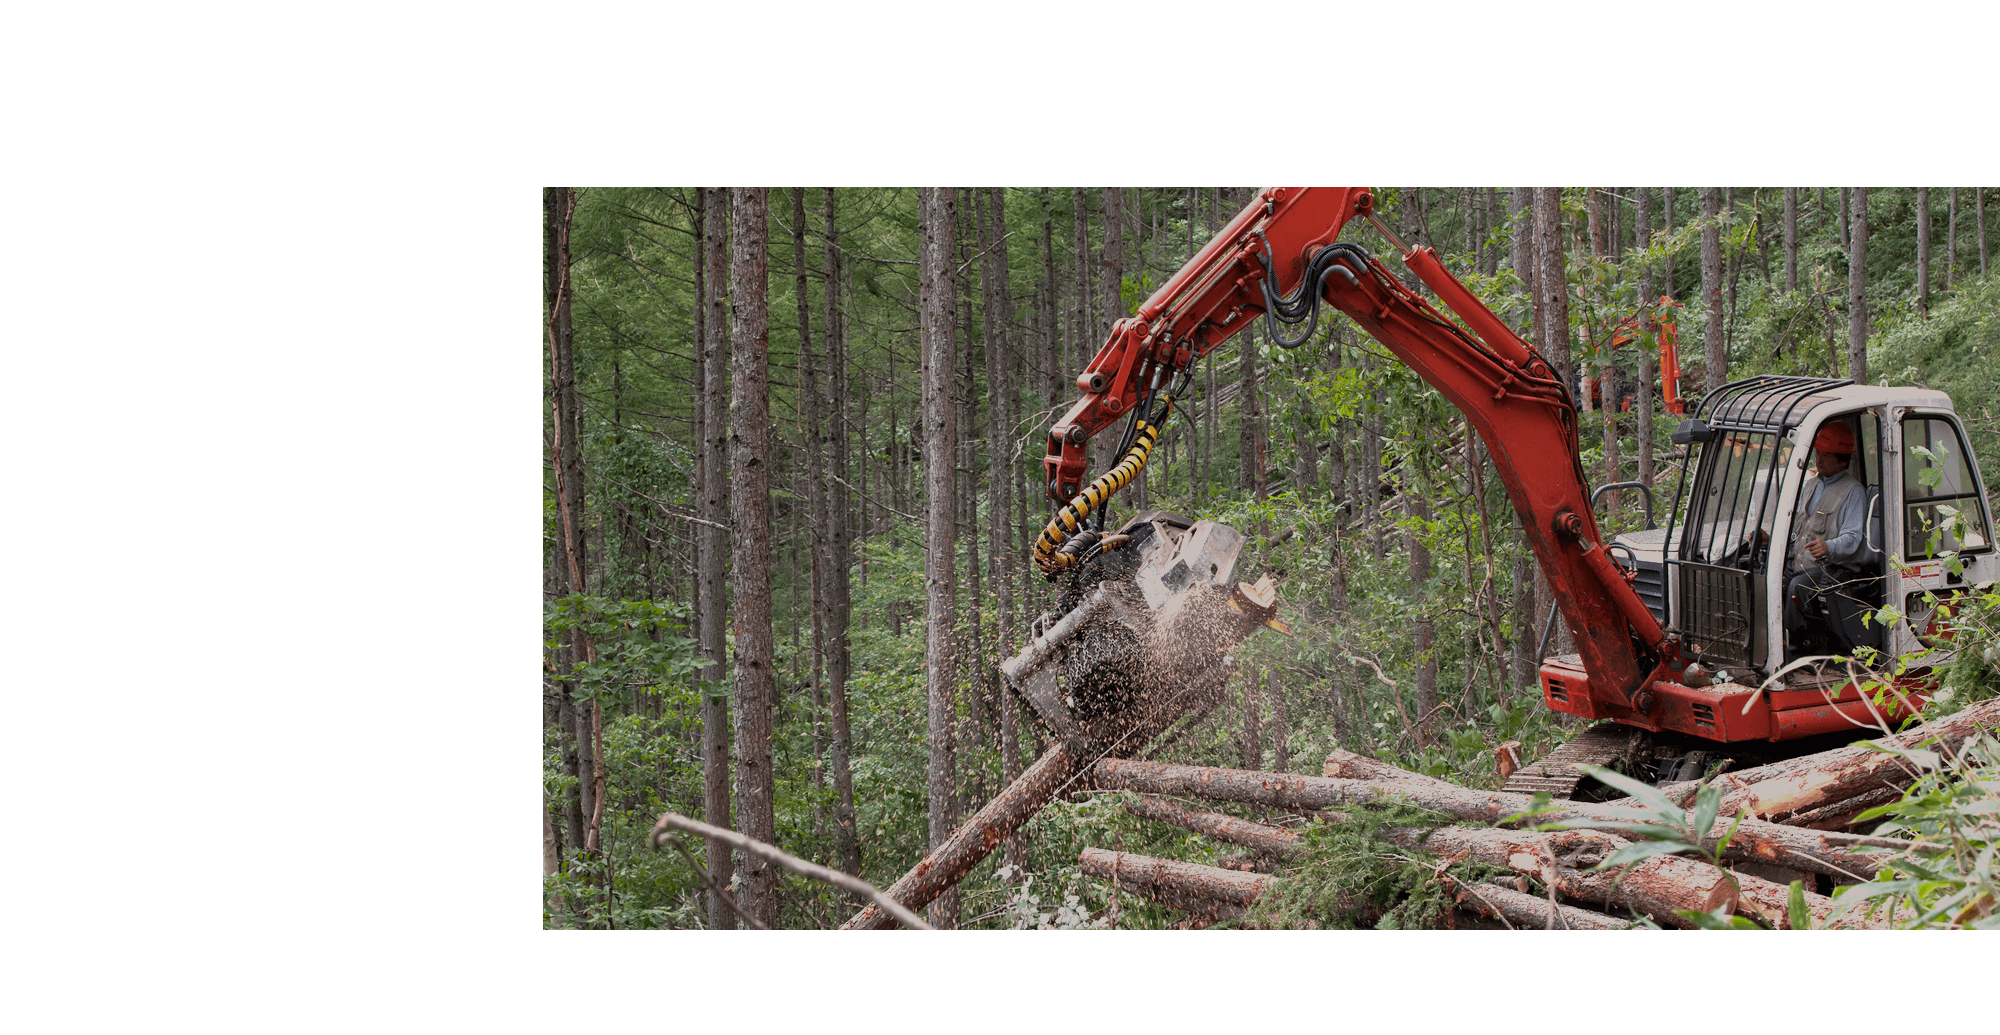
[1347, 877]
[1954, 808]
[1670, 828]
[636, 644]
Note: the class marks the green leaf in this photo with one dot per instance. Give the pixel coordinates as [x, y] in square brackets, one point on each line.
[1707, 803]
[1723, 845]
[1643, 793]
[1795, 906]
[1640, 851]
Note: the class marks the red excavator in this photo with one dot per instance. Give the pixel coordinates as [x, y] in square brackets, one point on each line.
[1632, 330]
[1677, 628]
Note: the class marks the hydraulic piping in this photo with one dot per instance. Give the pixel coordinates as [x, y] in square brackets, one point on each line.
[1058, 548]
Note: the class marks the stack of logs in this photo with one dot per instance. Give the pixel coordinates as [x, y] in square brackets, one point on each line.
[1798, 824]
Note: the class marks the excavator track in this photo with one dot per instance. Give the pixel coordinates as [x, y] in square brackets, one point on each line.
[1557, 775]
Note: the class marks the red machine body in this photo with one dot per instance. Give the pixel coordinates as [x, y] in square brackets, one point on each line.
[1627, 668]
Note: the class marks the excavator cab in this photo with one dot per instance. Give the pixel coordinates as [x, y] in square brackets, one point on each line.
[1723, 560]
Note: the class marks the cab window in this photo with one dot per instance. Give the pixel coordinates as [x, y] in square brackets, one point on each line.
[1942, 511]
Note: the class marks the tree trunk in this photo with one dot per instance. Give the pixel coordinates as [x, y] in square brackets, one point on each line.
[1924, 251]
[1607, 383]
[1528, 318]
[1660, 886]
[965, 493]
[1000, 472]
[1050, 386]
[1734, 270]
[940, 538]
[1791, 239]
[1180, 885]
[1755, 840]
[1527, 912]
[749, 441]
[1552, 284]
[1979, 216]
[952, 859]
[1416, 504]
[1950, 238]
[840, 609]
[1553, 326]
[1667, 224]
[1845, 212]
[1113, 266]
[712, 543]
[1250, 441]
[1082, 345]
[1276, 842]
[1715, 351]
[1857, 291]
[571, 556]
[1783, 790]
[810, 406]
[1648, 346]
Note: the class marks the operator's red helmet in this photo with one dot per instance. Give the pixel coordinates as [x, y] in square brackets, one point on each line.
[1835, 438]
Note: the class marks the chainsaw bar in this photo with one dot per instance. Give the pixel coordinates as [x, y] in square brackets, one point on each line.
[1558, 775]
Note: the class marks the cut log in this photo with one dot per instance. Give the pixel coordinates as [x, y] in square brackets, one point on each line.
[1838, 815]
[1527, 911]
[1346, 765]
[1786, 789]
[1274, 841]
[1754, 841]
[1657, 886]
[1206, 891]
[973, 841]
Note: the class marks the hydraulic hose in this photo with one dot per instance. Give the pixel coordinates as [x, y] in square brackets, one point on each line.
[1304, 307]
[1050, 555]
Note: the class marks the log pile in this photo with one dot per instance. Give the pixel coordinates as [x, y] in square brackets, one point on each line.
[1791, 819]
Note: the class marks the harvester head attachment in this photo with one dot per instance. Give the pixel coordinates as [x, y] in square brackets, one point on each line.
[1143, 636]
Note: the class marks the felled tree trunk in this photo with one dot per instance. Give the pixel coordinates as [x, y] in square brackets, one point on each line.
[1785, 789]
[1274, 841]
[973, 841]
[1657, 886]
[1527, 911]
[1346, 765]
[1206, 891]
[1755, 841]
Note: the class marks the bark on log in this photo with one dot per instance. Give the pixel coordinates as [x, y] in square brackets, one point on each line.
[1785, 789]
[1346, 765]
[1656, 886]
[1755, 841]
[1274, 841]
[1838, 815]
[1527, 911]
[974, 840]
[1204, 890]
[1801, 784]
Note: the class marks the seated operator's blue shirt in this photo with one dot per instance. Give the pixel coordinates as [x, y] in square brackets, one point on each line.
[1846, 547]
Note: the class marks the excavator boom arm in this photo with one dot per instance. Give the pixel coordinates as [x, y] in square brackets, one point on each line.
[1289, 235]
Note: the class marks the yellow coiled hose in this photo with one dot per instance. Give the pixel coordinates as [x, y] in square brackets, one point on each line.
[1070, 516]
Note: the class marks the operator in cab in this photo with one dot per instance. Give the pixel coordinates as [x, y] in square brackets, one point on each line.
[1830, 542]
